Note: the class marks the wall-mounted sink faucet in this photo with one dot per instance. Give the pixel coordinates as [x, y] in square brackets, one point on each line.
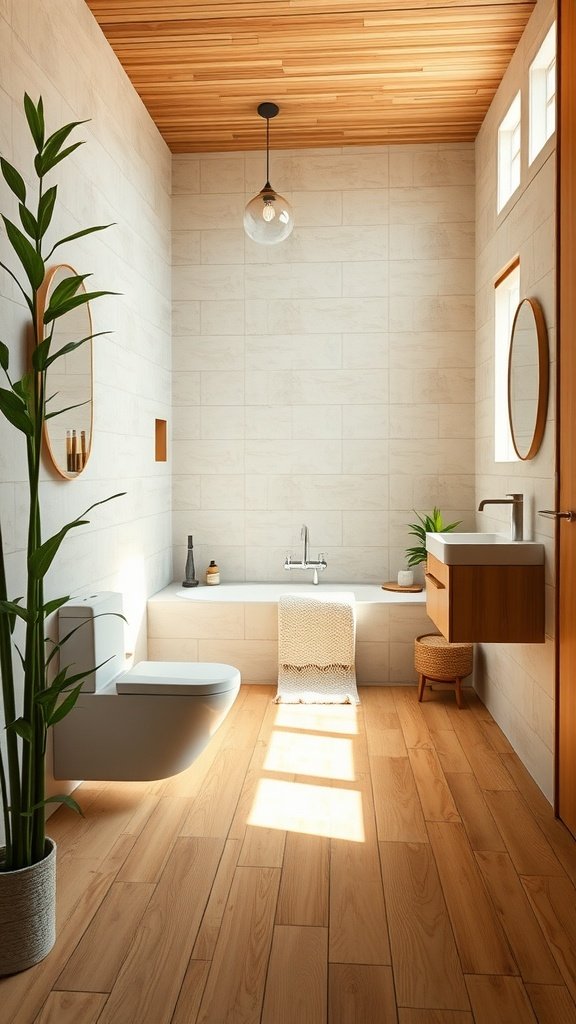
[517, 507]
[318, 565]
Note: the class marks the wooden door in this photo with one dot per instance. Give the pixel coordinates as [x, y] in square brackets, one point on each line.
[566, 426]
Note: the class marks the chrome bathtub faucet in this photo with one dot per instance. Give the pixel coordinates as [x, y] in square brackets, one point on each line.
[517, 507]
[318, 565]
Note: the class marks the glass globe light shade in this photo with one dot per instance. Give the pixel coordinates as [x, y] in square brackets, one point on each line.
[268, 217]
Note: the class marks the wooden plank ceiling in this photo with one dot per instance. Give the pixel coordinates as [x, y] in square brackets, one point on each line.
[343, 72]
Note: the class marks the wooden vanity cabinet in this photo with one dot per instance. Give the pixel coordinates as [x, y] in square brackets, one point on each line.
[501, 604]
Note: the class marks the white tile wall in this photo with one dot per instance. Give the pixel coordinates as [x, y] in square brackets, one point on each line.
[122, 174]
[330, 379]
[517, 682]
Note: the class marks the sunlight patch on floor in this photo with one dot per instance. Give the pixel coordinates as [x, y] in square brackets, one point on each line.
[338, 718]
[314, 810]
[295, 753]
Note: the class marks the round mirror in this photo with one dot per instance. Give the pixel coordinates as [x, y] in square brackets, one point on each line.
[69, 383]
[528, 379]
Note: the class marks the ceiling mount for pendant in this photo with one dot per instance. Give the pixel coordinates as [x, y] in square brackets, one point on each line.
[268, 217]
[268, 110]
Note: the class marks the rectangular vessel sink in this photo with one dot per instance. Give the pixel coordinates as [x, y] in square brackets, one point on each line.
[483, 549]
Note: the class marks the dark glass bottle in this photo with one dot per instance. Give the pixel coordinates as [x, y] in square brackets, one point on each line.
[190, 571]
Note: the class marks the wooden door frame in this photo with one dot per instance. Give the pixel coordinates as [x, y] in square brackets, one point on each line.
[565, 302]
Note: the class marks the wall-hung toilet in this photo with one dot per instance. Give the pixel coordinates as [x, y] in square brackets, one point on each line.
[148, 723]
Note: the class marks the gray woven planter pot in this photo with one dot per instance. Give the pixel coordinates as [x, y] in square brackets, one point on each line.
[28, 913]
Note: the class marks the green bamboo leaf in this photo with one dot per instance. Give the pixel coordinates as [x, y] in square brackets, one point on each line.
[46, 209]
[68, 287]
[22, 728]
[104, 501]
[65, 707]
[15, 412]
[13, 179]
[52, 692]
[53, 606]
[29, 258]
[73, 345]
[58, 646]
[53, 145]
[21, 656]
[41, 559]
[25, 295]
[35, 118]
[40, 355]
[4, 356]
[28, 220]
[72, 303]
[44, 163]
[59, 412]
[13, 610]
[61, 798]
[78, 234]
[25, 388]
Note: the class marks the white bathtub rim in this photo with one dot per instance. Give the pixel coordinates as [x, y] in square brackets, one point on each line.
[269, 592]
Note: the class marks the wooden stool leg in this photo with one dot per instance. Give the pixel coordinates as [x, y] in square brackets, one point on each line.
[421, 685]
[459, 700]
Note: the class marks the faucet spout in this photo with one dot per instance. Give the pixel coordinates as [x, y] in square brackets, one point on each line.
[316, 564]
[516, 502]
[304, 538]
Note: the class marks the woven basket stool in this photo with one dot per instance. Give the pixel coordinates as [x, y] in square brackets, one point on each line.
[436, 660]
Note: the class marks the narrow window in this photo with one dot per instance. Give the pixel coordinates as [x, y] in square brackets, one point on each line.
[509, 153]
[506, 299]
[543, 94]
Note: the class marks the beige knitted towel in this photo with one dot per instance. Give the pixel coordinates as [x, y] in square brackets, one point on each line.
[316, 645]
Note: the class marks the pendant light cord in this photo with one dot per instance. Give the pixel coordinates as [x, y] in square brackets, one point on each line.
[268, 152]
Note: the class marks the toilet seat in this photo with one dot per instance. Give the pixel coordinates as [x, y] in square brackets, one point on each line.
[178, 678]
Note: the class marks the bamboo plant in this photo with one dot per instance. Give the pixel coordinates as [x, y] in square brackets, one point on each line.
[432, 523]
[48, 693]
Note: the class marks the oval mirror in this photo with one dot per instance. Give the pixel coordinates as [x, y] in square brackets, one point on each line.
[69, 383]
[528, 379]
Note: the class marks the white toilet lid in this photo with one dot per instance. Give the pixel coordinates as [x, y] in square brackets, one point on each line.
[178, 678]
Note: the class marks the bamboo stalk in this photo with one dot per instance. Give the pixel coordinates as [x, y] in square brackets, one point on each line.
[13, 833]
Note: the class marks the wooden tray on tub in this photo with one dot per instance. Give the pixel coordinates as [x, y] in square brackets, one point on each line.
[397, 589]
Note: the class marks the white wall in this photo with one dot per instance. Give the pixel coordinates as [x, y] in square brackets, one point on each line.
[122, 174]
[517, 681]
[329, 379]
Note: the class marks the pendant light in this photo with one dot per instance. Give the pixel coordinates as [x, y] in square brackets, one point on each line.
[268, 217]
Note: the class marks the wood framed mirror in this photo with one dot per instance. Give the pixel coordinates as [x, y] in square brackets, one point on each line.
[69, 383]
[528, 379]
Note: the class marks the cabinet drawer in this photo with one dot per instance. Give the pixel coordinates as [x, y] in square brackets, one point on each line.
[438, 594]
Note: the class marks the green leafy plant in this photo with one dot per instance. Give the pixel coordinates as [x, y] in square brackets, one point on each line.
[432, 523]
[48, 695]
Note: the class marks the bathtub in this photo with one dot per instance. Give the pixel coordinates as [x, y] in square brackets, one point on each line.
[236, 623]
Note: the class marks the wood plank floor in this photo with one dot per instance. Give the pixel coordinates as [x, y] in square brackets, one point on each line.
[387, 864]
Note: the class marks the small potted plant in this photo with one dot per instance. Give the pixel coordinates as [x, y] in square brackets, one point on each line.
[432, 523]
[27, 859]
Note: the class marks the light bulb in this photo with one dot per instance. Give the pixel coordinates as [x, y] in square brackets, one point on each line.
[268, 217]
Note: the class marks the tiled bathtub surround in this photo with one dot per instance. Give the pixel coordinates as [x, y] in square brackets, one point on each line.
[517, 681]
[330, 379]
[244, 633]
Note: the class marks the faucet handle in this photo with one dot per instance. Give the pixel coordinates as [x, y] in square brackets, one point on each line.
[516, 497]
